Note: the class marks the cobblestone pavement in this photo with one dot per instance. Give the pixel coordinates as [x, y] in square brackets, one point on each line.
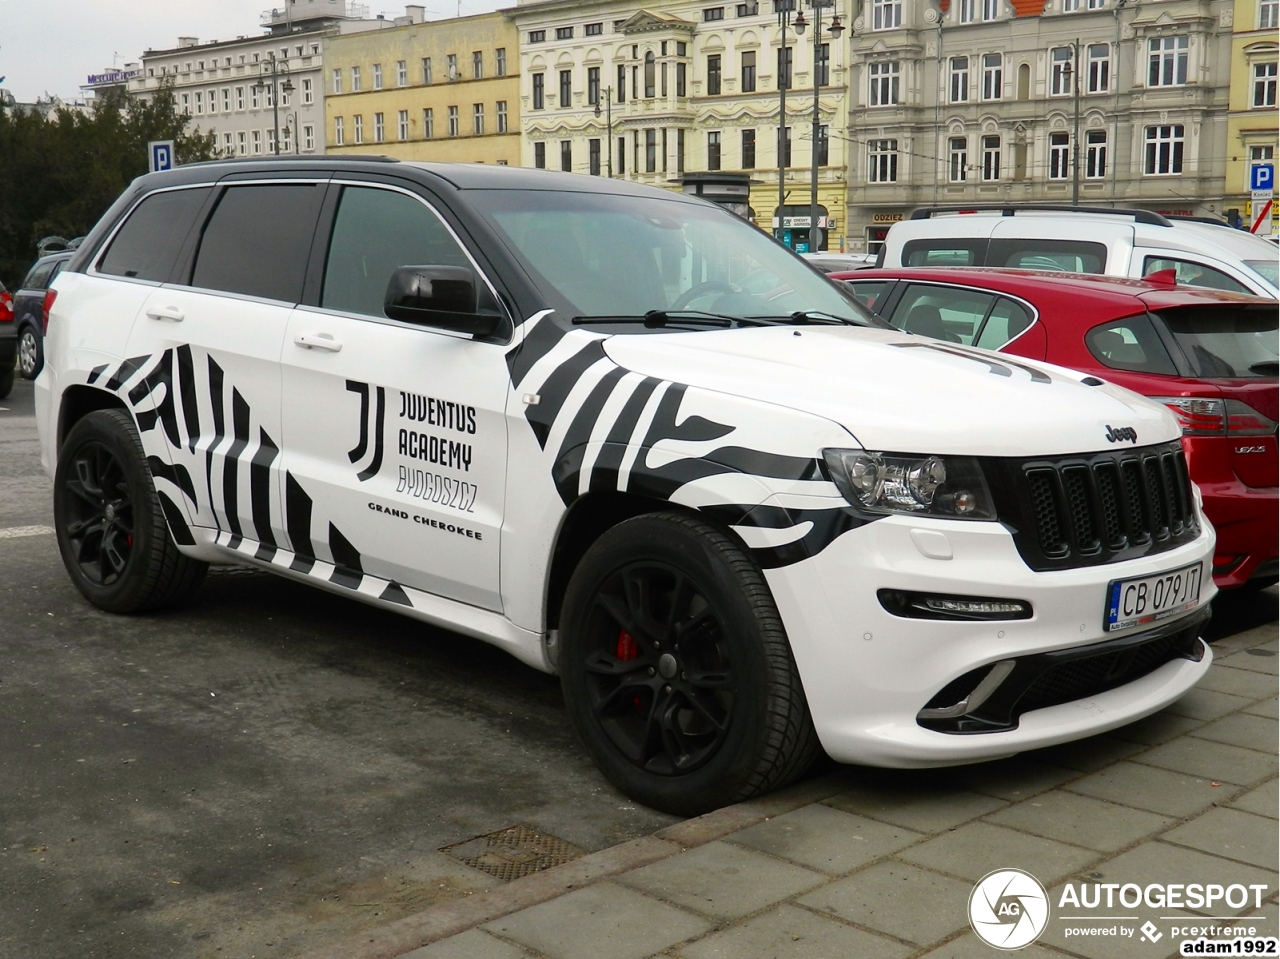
[880, 864]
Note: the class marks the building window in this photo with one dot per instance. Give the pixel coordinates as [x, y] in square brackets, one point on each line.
[1070, 6]
[991, 158]
[355, 79]
[1268, 14]
[593, 85]
[308, 92]
[990, 9]
[339, 133]
[748, 149]
[967, 9]
[650, 151]
[1060, 72]
[713, 13]
[713, 75]
[823, 146]
[377, 76]
[566, 88]
[650, 74]
[748, 9]
[564, 33]
[240, 97]
[959, 79]
[537, 36]
[255, 99]
[477, 119]
[1099, 67]
[1260, 154]
[785, 58]
[682, 73]
[594, 30]
[1097, 4]
[958, 165]
[992, 76]
[242, 143]
[679, 150]
[357, 127]
[502, 116]
[500, 62]
[884, 83]
[257, 142]
[451, 64]
[539, 99]
[428, 123]
[886, 14]
[786, 146]
[453, 121]
[402, 73]
[1164, 150]
[379, 128]
[308, 137]
[426, 69]
[749, 72]
[620, 89]
[882, 161]
[566, 156]
[824, 65]
[1167, 62]
[713, 150]
[540, 156]
[271, 142]
[1059, 156]
[593, 157]
[228, 144]
[1095, 156]
[287, 136]
[1264, 85]
[477, 65]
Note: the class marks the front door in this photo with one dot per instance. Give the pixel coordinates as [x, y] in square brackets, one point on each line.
[394, 433]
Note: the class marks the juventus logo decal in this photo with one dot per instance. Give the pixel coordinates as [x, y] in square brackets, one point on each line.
[357, 454]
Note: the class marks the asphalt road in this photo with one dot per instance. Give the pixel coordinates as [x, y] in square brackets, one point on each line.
[268, 768]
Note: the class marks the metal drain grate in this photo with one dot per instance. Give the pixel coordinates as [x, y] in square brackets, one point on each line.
[514, 852]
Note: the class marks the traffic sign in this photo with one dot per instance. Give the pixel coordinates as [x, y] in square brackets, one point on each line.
[1262, 177]
[159, 155]
[1260, 210]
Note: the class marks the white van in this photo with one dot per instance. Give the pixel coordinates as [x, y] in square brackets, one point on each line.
[1116, 242]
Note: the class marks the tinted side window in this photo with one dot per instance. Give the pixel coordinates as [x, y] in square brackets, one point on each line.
[1006, 321]
[258, 240]
[870, 292]
[375, 233]
[1070, 256]
[943, 251]
[1191, 273]
[39, 277]
[943, 313]
[1130, 344]
[148, 244]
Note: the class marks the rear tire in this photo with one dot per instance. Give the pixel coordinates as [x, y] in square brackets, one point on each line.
[30, 353]
[676, 668]
[111, 528]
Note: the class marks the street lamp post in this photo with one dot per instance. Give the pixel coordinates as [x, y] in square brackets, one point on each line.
[784, 8]
[835, 29]
[275, 69]
[608, 141]
[292, 118]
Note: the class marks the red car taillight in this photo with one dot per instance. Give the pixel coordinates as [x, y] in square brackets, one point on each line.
[49, 297]
[6, 308]
[1200, 416]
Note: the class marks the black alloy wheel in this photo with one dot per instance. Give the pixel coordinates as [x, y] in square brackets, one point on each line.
[676, 670]
[98, 521]
[659, 673]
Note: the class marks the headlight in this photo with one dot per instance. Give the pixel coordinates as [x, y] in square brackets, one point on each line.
[950, 486]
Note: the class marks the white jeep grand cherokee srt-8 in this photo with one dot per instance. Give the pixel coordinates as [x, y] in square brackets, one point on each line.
[632, 440]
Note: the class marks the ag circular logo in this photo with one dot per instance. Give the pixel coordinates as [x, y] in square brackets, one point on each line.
[1008, 909]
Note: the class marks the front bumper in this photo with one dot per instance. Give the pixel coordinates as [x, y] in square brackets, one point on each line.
[867, 673]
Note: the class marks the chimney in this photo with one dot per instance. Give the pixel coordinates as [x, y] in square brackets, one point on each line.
[187, 41]
[416, 13]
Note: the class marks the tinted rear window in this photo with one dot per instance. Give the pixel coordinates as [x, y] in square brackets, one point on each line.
[39, 276]
[258, 240]
[1069, 256]
[1130, 344]
[148, 244]
[944, 251]
[1227, 341]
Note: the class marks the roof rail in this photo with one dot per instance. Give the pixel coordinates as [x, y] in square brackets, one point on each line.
[1215, 220]
[1007, 209]
[298, 158]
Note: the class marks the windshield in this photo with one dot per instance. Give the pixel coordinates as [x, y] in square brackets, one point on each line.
[1227, 341]
[605, 255]
[1269, 270]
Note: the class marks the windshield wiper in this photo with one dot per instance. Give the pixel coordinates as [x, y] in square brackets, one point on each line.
[1265, 368]
[659, 319]
[818, 316]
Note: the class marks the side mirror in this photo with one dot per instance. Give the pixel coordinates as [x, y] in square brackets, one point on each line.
[439, 296]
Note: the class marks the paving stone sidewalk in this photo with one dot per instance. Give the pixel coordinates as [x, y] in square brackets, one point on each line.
[877, 863]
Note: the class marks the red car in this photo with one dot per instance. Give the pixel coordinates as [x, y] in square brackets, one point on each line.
[1210, 356]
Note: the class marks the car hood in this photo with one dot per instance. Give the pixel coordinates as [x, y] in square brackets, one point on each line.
[903, 393]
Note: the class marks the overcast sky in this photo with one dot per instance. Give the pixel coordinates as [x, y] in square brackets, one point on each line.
[51, 46]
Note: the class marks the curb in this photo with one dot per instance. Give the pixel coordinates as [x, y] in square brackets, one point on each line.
[450, 918]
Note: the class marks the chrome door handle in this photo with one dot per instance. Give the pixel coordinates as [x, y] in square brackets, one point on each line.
[171, 313]
[318, 341]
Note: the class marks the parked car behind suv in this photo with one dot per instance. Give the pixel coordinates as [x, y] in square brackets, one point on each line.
[627, 437]
[1209, 356]
[8, 342]
[29, 311]
[1115, 242]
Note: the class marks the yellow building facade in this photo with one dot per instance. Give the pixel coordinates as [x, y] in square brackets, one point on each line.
[444, 90]
[1252, 129]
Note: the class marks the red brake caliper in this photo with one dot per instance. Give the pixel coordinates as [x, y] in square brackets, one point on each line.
[627, 650]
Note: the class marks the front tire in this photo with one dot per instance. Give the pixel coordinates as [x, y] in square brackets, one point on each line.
[111, 528]
[30, 354]
[676, 669]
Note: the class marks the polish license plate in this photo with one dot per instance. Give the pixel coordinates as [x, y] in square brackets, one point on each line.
[1149, 599]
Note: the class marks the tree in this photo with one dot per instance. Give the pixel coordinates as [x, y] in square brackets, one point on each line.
[59, 175]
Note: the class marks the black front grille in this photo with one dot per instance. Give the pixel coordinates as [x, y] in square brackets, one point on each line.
[1066, 675]
[1095, 508]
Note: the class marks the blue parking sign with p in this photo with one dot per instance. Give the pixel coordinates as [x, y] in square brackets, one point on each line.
[160, 155]
[1262, 177]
